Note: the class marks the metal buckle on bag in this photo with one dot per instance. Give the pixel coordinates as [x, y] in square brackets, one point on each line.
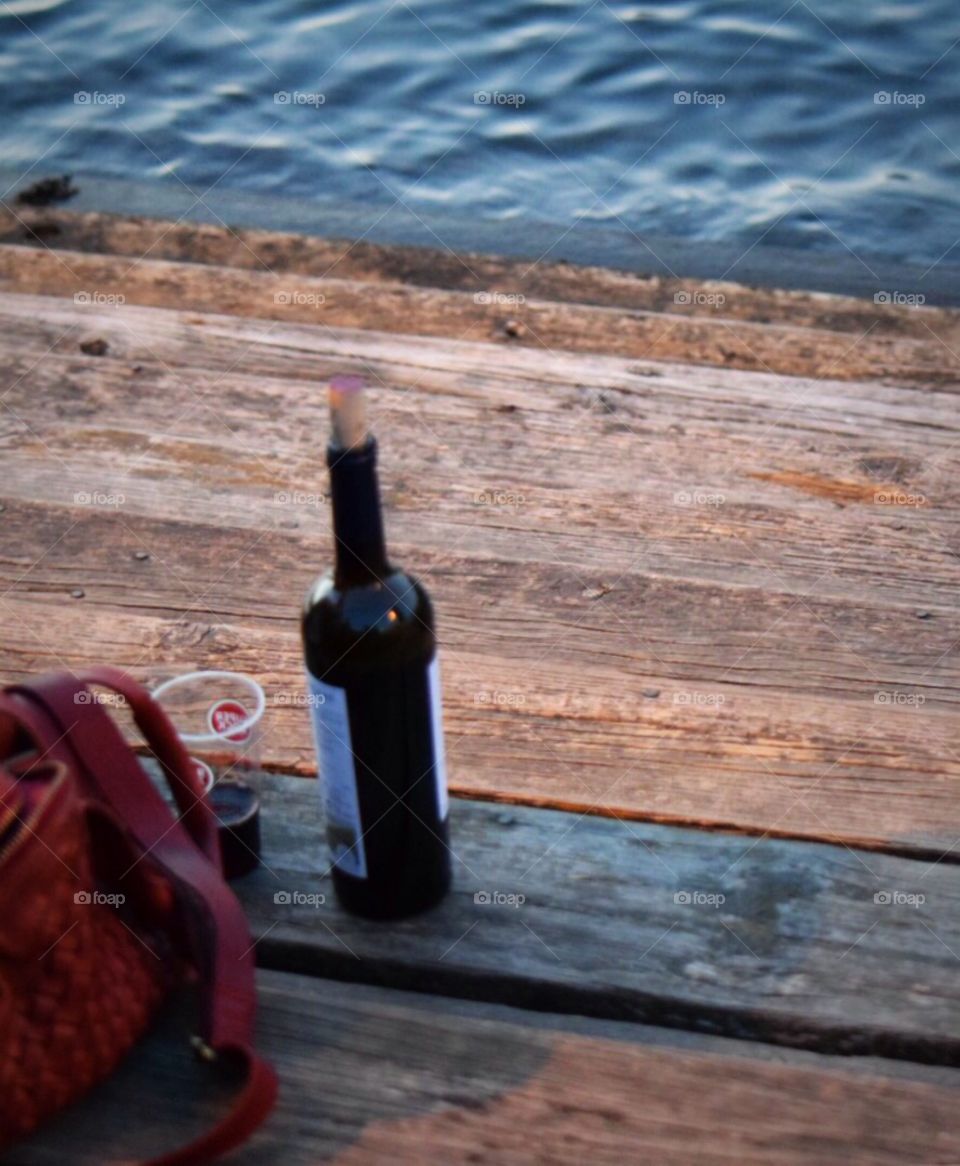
[202, 1049]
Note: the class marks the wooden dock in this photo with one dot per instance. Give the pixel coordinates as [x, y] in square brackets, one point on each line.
[694, 552]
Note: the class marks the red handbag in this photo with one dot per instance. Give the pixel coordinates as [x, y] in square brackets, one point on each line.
[107, 900]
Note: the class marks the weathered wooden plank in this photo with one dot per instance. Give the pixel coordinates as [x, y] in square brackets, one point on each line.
[285, 253]
[244, 371]
[721, 482]
[929, 359]
[369, 1076]
[690, 627]
[517, 729]
[760, 523]
[679, 622]
[799, 944]
[528, 425]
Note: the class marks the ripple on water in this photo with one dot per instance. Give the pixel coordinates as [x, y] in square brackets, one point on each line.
[24, 8]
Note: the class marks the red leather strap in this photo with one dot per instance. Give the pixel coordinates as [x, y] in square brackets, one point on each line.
[215, 923]
[248, 1112]
[168, 749]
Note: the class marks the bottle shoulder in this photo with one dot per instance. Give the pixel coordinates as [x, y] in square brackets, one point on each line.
[389, 619]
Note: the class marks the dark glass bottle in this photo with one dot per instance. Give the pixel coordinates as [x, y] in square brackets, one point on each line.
[370, 652]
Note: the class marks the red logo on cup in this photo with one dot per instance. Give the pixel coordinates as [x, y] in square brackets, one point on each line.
[203, 774]
[224, 715]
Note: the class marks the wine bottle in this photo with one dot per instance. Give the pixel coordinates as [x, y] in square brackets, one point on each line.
[374, 694]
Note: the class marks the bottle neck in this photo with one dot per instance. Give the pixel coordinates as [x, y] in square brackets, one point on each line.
[361, 553]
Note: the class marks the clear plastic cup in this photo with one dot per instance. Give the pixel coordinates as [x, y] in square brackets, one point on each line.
[219, 718]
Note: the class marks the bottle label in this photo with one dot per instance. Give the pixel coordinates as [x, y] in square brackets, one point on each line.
[338, 776]
[338, 772]
[436, 726]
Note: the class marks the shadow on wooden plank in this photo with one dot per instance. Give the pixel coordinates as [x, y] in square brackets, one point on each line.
[370, 1076]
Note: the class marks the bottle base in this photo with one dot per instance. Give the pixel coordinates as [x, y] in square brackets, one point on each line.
[382, 903]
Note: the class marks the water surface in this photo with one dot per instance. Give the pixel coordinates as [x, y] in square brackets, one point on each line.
[826, 127]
